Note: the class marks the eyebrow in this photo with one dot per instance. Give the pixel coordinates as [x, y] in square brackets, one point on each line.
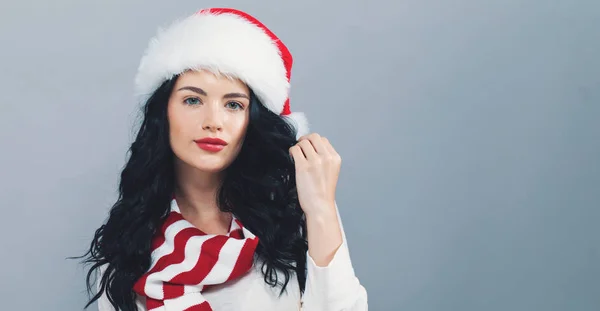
[202, 92]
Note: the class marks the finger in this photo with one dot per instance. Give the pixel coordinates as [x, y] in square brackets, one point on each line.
[302, 137]
[297, 155]
[306, 136]
[308, 149]
[317, 141]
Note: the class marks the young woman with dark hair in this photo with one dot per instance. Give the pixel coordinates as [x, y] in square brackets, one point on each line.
[226, 201]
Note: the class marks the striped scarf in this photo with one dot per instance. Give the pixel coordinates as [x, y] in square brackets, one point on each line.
[185, 261]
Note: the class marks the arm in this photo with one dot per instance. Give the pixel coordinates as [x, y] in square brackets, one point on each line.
[331, 283]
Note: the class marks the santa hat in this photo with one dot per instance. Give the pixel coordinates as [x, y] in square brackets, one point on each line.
[229, 42]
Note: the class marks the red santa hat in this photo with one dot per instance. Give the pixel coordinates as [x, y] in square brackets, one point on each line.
[225, 41]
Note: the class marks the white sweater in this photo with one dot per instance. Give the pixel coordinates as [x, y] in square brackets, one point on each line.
[331, 288]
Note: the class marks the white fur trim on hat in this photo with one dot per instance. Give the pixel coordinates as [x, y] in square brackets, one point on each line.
[300, 123]
[223, 43]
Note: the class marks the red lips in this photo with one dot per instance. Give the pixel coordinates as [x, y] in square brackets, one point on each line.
[211, 144]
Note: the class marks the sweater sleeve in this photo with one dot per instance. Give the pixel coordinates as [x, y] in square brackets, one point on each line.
[103, 303]
[334, 287]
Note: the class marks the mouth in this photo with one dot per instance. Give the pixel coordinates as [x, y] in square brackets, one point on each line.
[211, 144]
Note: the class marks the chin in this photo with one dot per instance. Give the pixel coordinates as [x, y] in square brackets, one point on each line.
[210, 165]
[210, 169]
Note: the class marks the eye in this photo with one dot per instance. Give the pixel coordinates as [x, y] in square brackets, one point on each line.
[235, 106]
[192, 101]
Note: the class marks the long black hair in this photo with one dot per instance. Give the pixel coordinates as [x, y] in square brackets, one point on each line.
[259, 188]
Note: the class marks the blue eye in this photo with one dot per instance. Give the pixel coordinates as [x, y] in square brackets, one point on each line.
[235, 106]
[192, 101]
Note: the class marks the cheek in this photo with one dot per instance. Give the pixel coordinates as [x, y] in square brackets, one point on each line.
[239, 128]
[179, 125]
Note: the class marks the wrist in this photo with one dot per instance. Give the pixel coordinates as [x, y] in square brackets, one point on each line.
[321, 212]
[324, 235]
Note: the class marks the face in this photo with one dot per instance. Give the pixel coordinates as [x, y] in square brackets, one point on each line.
[205, 106]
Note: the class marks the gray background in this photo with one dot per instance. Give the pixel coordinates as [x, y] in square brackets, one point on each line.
[468, 130]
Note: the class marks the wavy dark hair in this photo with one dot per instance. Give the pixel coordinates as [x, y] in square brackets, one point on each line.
[259, 188]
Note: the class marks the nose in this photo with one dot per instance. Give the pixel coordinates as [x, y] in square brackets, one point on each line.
[213, 119]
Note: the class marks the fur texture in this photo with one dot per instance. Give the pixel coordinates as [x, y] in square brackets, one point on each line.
[222, 43]
[300, 123]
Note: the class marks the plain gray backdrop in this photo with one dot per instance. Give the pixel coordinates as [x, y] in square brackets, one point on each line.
[469, 132]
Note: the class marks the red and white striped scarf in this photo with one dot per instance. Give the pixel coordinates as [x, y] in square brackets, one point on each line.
[185, 261]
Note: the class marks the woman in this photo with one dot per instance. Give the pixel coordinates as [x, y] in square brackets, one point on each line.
[226, 203]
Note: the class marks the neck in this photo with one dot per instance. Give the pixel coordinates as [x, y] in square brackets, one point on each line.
[196, 194]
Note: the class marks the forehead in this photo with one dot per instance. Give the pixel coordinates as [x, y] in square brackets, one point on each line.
[208, 79]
